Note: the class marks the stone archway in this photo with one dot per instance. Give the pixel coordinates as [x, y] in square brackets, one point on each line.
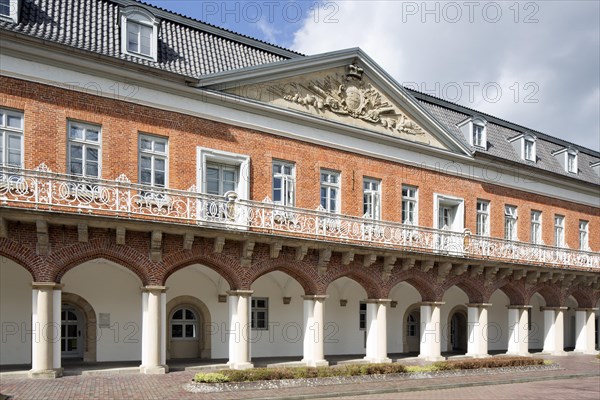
[411, 329]
[457, 330]
[90, 324]
[204, 326]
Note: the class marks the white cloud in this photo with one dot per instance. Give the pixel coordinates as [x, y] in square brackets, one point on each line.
[554, 60]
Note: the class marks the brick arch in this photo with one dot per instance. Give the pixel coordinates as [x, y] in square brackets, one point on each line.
[225, 266]
[304, 273]
[515, 293]
[418, 280]
[363, 278]
[39, 269]
[552, 295]
[471, 288]
[76, 254]
[585, 296]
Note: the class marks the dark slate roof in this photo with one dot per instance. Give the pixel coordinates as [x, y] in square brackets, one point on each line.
[498, 131]
[186, 46]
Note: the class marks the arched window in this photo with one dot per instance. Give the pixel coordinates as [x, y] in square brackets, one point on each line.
[412, 325]
[184, 324]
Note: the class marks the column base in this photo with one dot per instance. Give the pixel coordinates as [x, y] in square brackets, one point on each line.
[378, 360]
[432, 358]
[477, 355]
[154, 370]
[46, 373]
[241, 365]
[316, 363]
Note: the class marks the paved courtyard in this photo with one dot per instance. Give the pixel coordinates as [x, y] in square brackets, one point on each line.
[578, 378]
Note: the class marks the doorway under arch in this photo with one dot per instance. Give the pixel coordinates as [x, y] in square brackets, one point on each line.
[412, 330]
[189, 324]
[78, 328]
[458, 333]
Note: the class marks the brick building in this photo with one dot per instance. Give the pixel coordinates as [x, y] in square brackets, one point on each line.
[176, 190]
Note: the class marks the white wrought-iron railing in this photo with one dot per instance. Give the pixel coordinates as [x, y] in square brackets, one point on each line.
[44, 190]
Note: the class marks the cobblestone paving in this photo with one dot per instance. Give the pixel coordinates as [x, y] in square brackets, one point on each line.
[171, 386]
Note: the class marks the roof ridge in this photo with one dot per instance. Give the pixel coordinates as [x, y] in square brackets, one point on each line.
[500, 121]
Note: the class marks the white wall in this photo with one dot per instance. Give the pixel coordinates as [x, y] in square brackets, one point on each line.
[536, 331]
[15, 313]
[112, 289]
[205, 284]
[406, 296]
[285, 334]
[498, 322]
[342, 333]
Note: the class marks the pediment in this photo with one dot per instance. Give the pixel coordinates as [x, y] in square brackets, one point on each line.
[343, 94]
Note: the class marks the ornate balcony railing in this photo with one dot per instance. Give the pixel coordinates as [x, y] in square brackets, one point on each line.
[43, 190]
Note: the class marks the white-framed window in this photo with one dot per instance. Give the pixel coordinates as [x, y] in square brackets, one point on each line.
[330, 191]
[5, 8]
[260, 313]
[184, 324]
[584, 235]
[284, 183]
[11, 138]
[412, 325]
[559, 231]
[483, 218]
[372, 198]
[510, 222]
[221, 178]
[84, 150]
[409, 205]
[139, 32]
[529, 149]
[362, 316]
[536, 227]
[153, 160]
[478, 135]
[572, 162]
[9, 10]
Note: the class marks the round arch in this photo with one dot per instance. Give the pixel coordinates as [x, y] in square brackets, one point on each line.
[90, 324]
[204, 344]
[25, 258]
[218, 263]
[303, 278]
[362, 278]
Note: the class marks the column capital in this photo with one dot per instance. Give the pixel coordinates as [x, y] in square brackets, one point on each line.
[315, 297]
[479, 305]
[378, 301]
[544, 308]
[241, 293]
[47, 285]
[586, 309]
[519, 307]
[154, 288]
[432, 303]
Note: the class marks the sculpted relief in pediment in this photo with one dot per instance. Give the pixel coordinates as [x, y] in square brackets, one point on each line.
[342, 95]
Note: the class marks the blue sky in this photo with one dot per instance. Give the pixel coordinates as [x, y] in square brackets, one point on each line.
[534, 63]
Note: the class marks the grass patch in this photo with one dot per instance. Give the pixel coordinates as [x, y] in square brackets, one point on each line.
[267, 374]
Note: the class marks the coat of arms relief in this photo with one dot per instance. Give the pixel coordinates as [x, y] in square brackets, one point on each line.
[349, 96]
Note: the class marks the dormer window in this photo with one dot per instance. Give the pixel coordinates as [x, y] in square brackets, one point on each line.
[568, 157]
[595, 167]
[475, 131]
[139, 33]
[525, 145]
[9, 10]
[529, 150]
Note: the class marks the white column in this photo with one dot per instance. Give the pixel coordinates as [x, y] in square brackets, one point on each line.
[431, 331]
[45, 325]
[239, 329]
[518, 330]
[477, 345]
[377, 331]
[314, 355]
[585, 330]
[554, 341]
[153, 322]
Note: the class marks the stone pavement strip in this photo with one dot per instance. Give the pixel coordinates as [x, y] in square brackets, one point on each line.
[171, 386]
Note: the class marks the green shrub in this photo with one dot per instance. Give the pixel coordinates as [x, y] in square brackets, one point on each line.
[211, 377]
